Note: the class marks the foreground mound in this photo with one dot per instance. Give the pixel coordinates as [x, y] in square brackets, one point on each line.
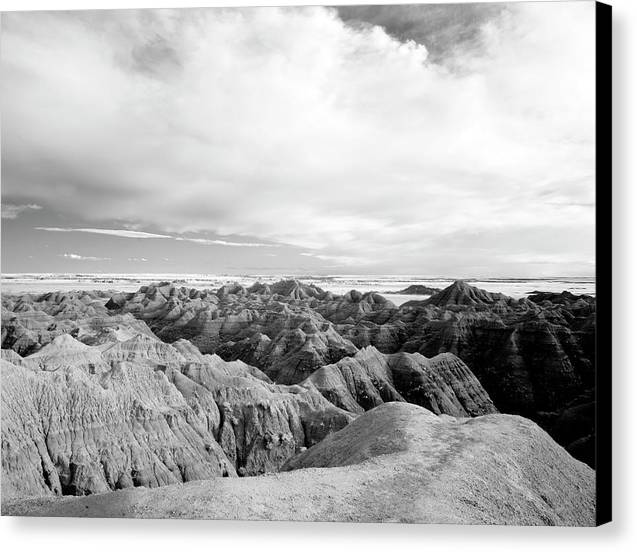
[397, 462]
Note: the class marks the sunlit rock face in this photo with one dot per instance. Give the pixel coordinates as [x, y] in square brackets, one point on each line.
[443, 384]
[397, 462]
[81, 419]
[29, 322]
[276, 328]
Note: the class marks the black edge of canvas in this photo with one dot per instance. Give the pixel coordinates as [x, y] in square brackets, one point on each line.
[603, 345]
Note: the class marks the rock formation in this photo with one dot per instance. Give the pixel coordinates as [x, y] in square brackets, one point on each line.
[416, 289]
[81, 419]
[461, 293]
[31, 321]
[533, 357]
[443, 384]
[397, 462]
[272, 327]
[70, 432]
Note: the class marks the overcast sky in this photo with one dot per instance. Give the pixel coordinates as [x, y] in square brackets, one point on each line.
[433, 140]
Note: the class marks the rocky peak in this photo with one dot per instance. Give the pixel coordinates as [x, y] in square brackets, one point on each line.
[563, 298]
[294, 289]
[461, 293]
[64, 343]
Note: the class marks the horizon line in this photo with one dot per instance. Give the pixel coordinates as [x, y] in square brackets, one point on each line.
[304, 275]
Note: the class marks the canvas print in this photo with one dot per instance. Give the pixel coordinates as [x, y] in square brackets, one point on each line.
[320, 263]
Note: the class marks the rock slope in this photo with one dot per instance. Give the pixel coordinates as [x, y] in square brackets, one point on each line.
[275, 328]
[461, 293]
[79, 419]
[395, 463]
[29, 322]
[443, 384]
[416, 289]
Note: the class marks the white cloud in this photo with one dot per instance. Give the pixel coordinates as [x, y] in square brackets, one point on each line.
[148, 235]
[340, 260]
[10, 211]
[108, 232]
[289, 125]
[205, 241]
[76, 257]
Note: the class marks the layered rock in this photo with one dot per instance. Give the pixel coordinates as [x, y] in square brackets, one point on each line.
[566, 298]
[66, 353]
[275, 328]
[287, 329]
[355, 307]
[71, 432]
[261, 424]
[533, 356]
[528, 357]
[80, 420]
[417, 289]
[397, 462]
[443, 384]
[461, 293]
[30, 322]
[292, 354]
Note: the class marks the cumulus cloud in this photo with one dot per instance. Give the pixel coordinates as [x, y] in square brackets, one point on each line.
[76, 257]
[446, 30]
[292, 126]
[10, 211]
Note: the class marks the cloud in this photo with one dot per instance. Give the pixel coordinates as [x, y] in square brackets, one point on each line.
[340, 260]
[292, 126]
[76, 257]
[138, 259]
[447, 31]
[107, 232]
[205, 241]
[10, 211]
[148, 235]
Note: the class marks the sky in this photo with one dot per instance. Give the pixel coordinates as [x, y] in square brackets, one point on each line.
[434, 140]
